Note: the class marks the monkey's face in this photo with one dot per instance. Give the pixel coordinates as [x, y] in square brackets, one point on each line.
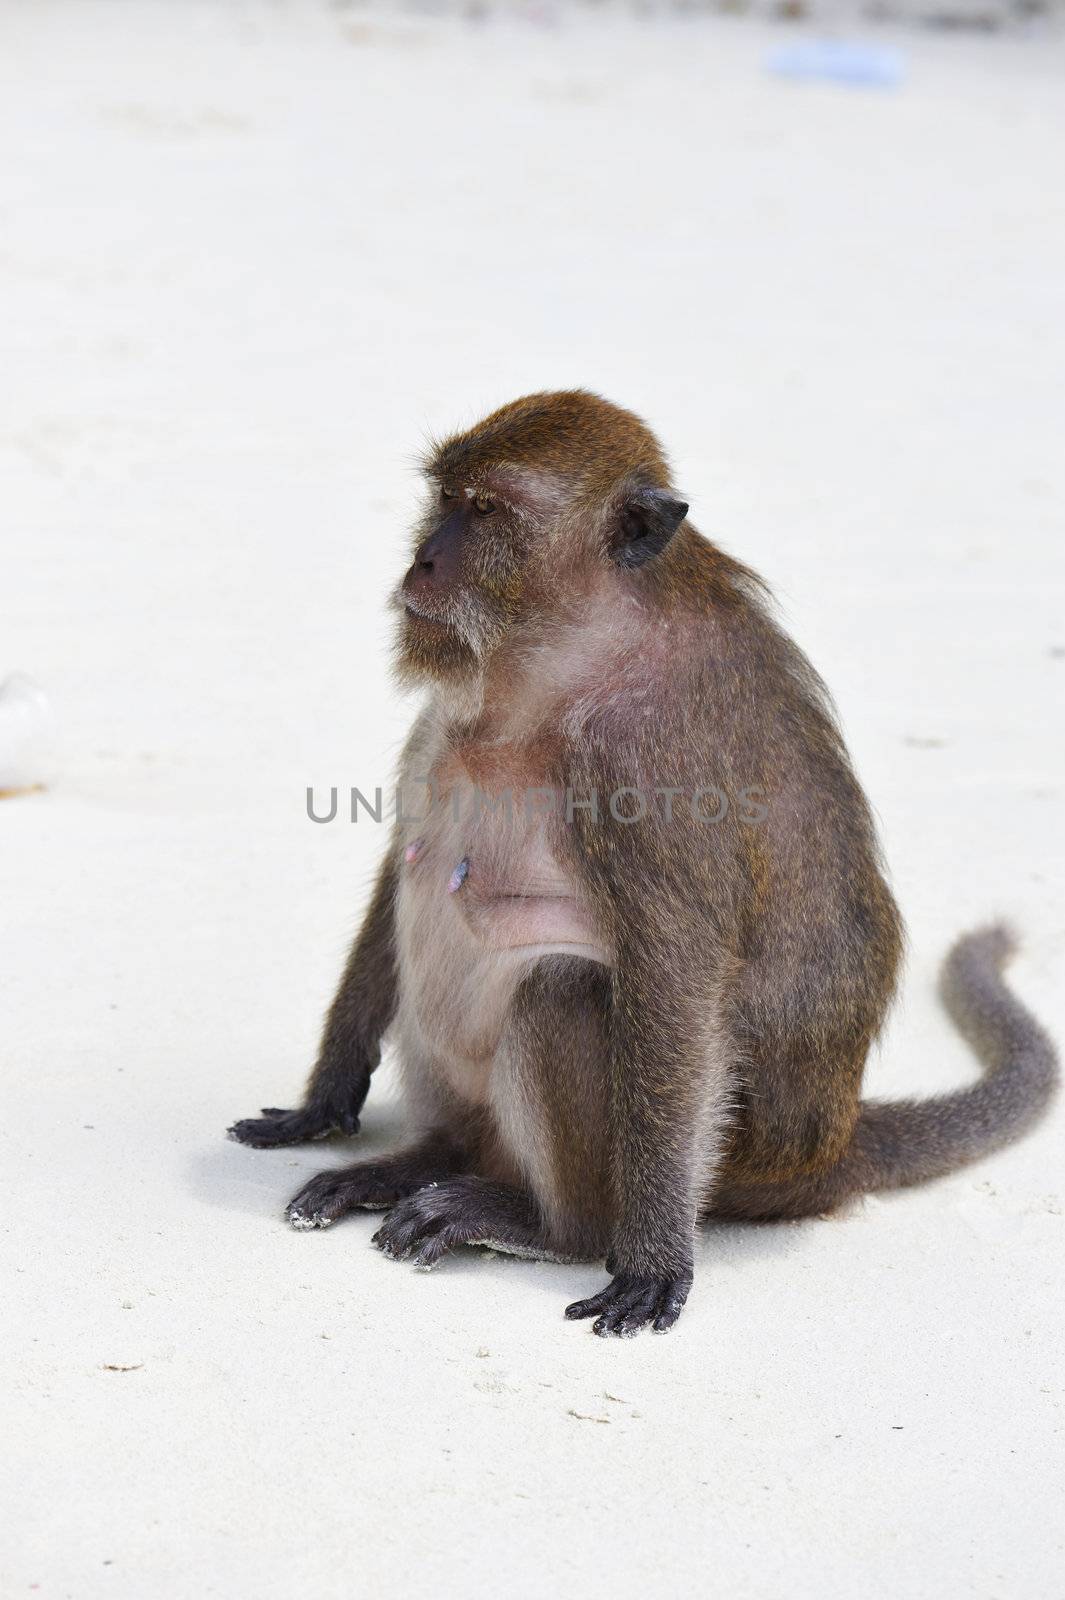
[468, 582]
[526, 513]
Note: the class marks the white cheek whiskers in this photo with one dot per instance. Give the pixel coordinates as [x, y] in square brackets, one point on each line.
[463, 613]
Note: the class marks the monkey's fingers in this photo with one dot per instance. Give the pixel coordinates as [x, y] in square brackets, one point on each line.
[671, 1304]
[345, 1122]
[432, 1249]
[591, 1307]
[632, 1302]
[326, 1198]
[407, 1226]
[279, 1127]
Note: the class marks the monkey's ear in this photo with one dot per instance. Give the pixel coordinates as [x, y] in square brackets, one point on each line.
[646, 520]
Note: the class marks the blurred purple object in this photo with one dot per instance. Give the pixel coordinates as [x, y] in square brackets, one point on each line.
[833, 60]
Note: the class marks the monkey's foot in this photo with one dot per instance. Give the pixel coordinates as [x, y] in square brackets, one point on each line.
[368, 1185]
[632, 1301]
[332, 1195]
[277, 1127]
[461, 1211]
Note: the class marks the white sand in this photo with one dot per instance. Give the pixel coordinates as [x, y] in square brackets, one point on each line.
[250, 252]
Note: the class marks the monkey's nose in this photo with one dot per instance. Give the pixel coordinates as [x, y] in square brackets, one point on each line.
[427, 555]
[421, 572]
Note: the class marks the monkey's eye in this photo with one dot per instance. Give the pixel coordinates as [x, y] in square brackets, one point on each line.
[483, 504]
[446, 493]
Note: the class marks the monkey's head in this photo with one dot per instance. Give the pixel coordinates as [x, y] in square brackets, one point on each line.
[524, 513]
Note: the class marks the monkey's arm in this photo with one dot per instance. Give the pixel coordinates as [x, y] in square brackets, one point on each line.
[350, 1047]
[663, 891]
[670, 1078]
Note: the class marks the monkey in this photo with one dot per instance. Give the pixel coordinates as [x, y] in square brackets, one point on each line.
[615, 1018]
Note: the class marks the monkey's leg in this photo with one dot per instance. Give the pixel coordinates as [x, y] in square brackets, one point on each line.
[350, 1049]
[376, 1185]
[548, 1103]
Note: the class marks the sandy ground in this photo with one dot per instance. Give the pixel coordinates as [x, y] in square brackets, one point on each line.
[250, 254]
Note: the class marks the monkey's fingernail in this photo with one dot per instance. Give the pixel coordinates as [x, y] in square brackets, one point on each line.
[413, 851]
[459, 876]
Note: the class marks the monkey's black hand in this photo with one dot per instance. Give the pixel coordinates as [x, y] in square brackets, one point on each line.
[631, 1301]
[277, 1127]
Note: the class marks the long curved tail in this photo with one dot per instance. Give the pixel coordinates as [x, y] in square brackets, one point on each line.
[899, 1142]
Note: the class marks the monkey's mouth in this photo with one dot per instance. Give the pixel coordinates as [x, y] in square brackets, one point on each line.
[417, 613]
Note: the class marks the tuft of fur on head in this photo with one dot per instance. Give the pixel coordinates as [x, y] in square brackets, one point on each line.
[581, 440]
